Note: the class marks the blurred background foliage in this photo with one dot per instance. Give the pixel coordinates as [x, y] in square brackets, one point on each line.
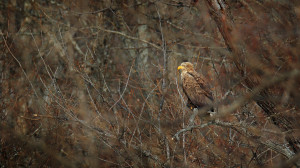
[90, 83]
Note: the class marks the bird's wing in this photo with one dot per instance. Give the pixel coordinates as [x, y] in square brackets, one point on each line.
[189, 103]
[194, 92]
[202, 84]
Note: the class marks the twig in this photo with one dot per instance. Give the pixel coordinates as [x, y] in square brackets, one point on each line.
[240, 129]
[264, 85]
[123, 90]
[183, 118]
[93, 12]
[289, 163]
[130, 37]
[147, 42]
[163, 85]
[5, 43]
[164, 69]
[191, 127]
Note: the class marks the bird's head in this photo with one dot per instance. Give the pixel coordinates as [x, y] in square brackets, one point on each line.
[186, 67]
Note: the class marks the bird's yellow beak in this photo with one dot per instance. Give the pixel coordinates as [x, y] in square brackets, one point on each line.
[180, 67]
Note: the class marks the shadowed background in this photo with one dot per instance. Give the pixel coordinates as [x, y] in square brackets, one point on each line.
[95, 83]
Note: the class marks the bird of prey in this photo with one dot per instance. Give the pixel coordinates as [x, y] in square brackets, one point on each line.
[195, 87]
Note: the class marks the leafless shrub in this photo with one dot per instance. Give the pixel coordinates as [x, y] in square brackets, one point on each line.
[95, 83]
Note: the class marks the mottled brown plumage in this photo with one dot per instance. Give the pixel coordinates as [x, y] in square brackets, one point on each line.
[195, 87]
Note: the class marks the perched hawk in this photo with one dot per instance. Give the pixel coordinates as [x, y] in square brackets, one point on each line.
[195, 87]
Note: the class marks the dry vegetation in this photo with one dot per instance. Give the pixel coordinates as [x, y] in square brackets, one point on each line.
[91, 83]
